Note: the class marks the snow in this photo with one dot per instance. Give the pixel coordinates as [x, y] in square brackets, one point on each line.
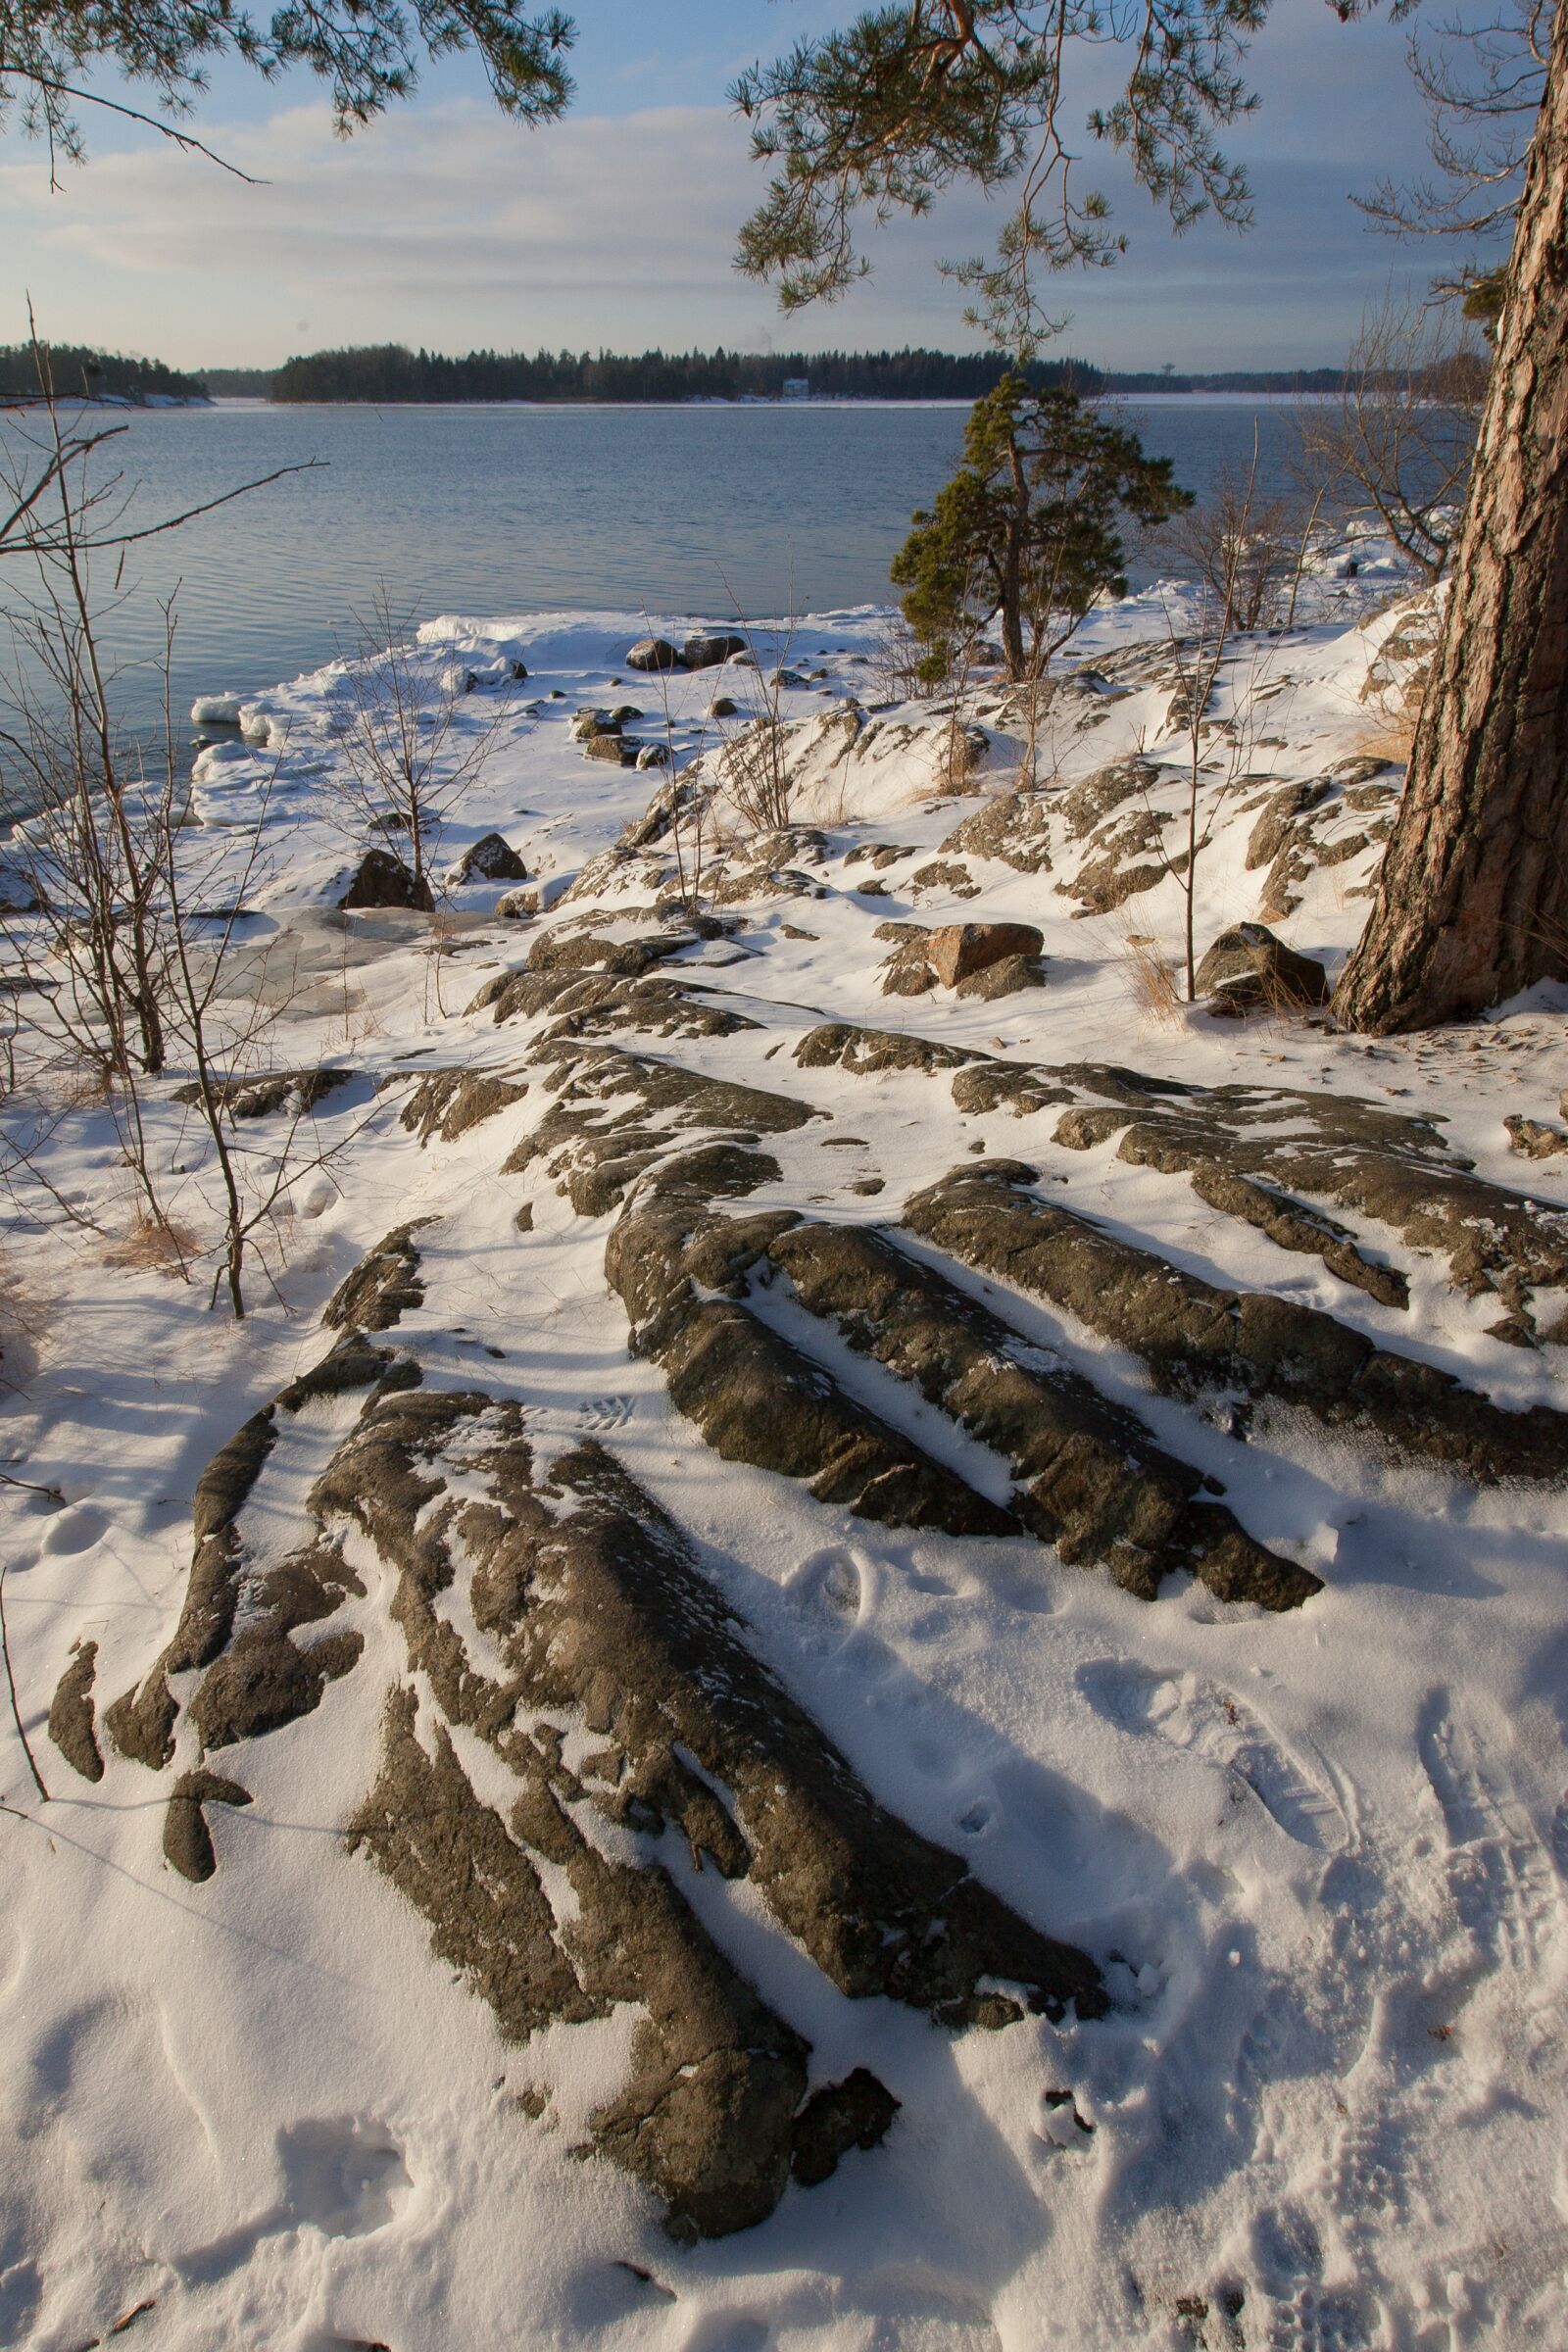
[1320, 1857]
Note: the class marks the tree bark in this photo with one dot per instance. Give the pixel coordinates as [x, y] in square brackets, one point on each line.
[1472, 905]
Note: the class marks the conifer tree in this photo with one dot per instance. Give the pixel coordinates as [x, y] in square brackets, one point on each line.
[1030, 527]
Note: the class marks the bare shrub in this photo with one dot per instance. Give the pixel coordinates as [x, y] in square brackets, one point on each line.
[409, 741]
[901, 666]
[1244, 546]
[120, 971]
[752, 765]
[1400, 435]
[1198, 660]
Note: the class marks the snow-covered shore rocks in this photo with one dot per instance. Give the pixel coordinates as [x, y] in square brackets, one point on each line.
[828, 1666]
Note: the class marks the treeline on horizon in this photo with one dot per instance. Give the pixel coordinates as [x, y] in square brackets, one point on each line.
[77, 372]
[385, 373]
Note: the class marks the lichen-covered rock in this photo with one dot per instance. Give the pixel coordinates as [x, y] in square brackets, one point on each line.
[448, 1102]
[264, 1680]
[595, 1616]
[846, 1044]
[1093, 1480]
[1088, 804]
[857, 2113]
[382, 1288]
[259, 1096]
[1013, 828]
[1263, 1355]
[1276, 826]
[682, 1273]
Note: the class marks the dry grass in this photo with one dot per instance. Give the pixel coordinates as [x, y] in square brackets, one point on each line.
[1153, 978]
[156, 1245]
[1388, 728]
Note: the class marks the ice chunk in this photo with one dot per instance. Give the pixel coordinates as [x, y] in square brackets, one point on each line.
[215, 711]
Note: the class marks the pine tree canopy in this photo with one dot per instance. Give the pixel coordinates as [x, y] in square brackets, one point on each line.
[915, 95]
[368, 52]
[1029, 529]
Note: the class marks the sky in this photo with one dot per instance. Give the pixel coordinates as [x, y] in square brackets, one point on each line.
[445, 225]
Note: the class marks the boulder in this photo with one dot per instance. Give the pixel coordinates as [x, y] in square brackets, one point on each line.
[723, 706]
[959, 950]
[653, 653]
[491, 859]
[654, 755]
[1003, 978]
[1247, 967]
[612, 747]
[623, 715]
[705, 648]
[381, 879]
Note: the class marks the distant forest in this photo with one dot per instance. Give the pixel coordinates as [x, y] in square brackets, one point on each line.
[78, 370]
[388, 372]
[385, 373]
[244, 383]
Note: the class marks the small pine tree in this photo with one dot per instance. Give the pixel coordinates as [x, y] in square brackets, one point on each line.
[1029, 529]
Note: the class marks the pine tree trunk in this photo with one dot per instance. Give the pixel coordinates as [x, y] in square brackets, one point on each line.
[1472, 905]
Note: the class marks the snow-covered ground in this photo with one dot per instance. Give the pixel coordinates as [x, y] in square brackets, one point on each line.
[1316, 1855]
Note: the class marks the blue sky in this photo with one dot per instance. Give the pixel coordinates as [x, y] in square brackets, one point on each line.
[443, 225]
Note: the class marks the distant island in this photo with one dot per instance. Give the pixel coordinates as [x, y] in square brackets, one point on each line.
[82, 374]
[386, 374]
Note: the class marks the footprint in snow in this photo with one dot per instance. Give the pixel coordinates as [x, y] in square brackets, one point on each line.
[829, 1586]
[605, 1412]
[1501, 1881]
[1303, 2315]
[1214, 1723]
[342, 2175]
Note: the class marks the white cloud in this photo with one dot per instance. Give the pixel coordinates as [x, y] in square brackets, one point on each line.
[445, 225]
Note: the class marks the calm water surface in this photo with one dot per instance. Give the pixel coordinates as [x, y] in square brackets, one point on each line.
[708, 511]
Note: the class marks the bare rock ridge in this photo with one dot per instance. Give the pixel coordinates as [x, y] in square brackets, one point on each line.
[588, 1610]
[1090, 1478]
[1200, 1340]
[1391, 1168]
